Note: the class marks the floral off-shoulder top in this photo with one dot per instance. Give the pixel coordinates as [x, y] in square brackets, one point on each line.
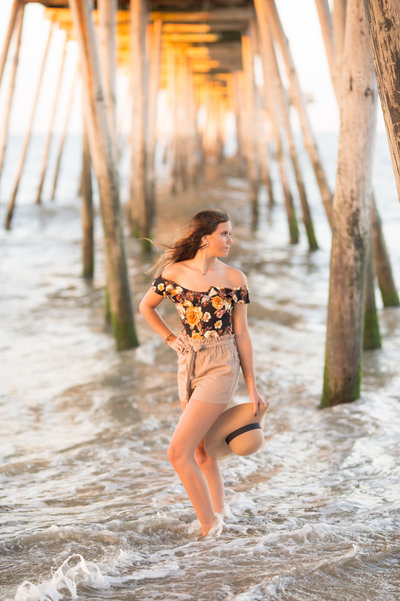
[203, 314]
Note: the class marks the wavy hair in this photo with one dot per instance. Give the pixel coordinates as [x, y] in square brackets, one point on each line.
[202, 224]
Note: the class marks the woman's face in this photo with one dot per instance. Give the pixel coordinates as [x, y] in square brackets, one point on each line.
[219, 242]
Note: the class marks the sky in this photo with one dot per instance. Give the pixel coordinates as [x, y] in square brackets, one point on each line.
[300, 22]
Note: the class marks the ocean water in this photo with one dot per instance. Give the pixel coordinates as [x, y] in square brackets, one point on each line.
[91, 508]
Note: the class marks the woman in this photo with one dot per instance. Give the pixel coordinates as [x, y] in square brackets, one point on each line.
[211, 299]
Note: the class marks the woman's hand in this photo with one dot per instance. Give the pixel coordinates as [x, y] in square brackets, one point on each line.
[178, 344]
[257, 401]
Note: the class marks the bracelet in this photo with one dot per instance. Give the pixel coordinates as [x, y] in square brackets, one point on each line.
[171, 336]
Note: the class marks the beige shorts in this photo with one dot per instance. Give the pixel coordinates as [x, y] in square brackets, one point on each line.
[209, 370]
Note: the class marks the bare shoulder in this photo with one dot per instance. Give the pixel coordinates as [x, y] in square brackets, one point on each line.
[172, 271]
[235, 277]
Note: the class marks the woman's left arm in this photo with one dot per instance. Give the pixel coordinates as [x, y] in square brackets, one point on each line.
[245, 349]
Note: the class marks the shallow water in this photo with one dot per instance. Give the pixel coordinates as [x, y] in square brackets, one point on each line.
[90, 507]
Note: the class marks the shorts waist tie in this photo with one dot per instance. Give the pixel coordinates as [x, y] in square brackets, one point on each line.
[195, 345]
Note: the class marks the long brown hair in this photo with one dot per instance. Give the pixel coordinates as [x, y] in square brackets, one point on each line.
[202, 224]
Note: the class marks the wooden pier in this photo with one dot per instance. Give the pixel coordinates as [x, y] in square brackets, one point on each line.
[202, 63]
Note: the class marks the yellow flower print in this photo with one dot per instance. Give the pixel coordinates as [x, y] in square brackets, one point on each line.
[175, 290]
[211, 334]
[160, 287]
[218, 302]
[218, 324]
[169, 288]
[187, 303]
[193, 315]
[196, 335]
[206, 316]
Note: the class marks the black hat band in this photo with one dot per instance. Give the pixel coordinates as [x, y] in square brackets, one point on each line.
[242, 430]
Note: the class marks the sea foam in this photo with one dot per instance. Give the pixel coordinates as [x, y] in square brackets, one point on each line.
[66, 578]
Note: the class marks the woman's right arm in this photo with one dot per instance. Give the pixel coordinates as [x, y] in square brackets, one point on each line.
[148, 308]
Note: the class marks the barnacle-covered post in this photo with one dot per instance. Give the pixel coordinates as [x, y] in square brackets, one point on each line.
[372, 335]
[104, 163]
[383, 265]
[351, 208]
[333, 27]
[384, 29]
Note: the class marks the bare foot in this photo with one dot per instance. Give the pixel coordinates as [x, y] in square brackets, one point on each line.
[205, 528]
[213, 528]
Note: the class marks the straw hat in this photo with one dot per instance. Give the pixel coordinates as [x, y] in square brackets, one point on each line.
[237, 430]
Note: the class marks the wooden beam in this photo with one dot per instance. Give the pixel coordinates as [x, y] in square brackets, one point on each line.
[268, 14]
[7, 39]
[383, 266]
[203, 66]
[106, 32]
[11, 204]
[87, 209]
[198, 51]
[190, 38]
[140, 213]
[384, 25]
[118, 288]
[154, 82]
[191, 123]
[351, 215]
[339, 23]
[242, 15]
[276, 122]
[11, 88]
[282, 108]
[51, 125]
[124, 113]
[325, 20]
[185, 27]
[64, 131]
[249, 118]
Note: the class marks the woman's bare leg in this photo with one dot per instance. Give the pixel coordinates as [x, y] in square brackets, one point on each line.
[195, 421]
[210, 468]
